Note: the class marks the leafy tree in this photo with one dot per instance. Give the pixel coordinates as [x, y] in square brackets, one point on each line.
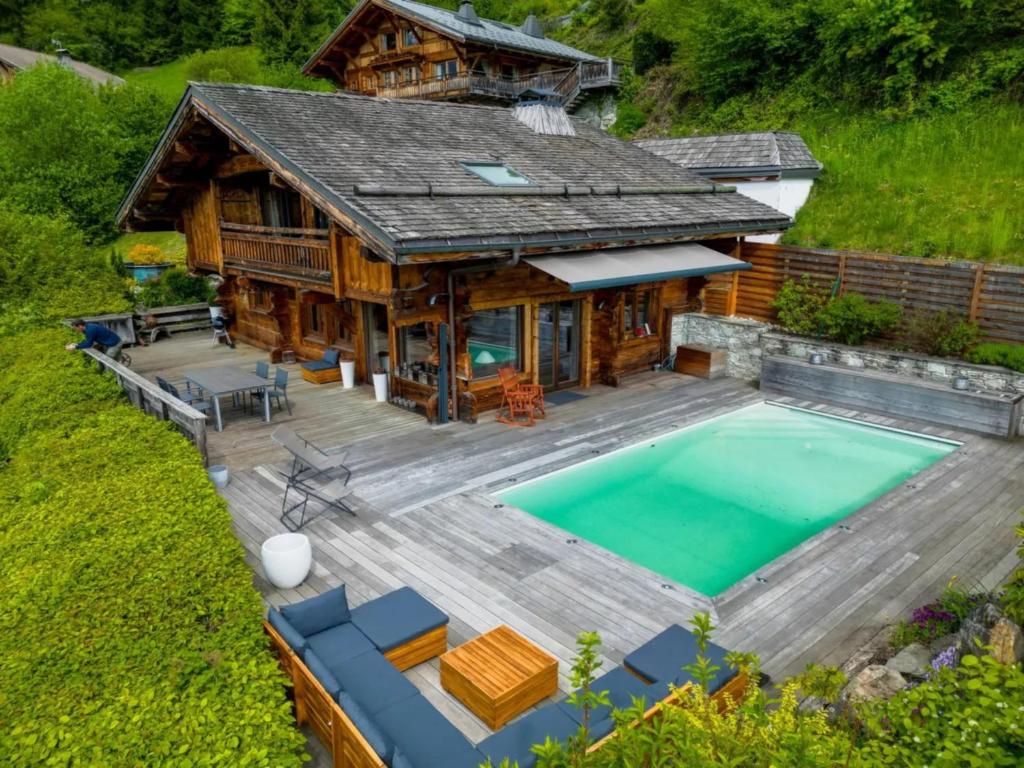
[288, 31]
[650, 49]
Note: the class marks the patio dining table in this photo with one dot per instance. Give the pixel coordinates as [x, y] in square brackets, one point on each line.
[225, 380]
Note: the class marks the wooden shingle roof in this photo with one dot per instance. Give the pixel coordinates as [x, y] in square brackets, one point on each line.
[396, 169]
[23, 58]
[767, 152]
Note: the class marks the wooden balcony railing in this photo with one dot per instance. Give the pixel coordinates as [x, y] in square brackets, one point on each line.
[305, 252]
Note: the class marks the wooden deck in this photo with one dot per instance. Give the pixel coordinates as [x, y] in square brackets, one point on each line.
[425, 519]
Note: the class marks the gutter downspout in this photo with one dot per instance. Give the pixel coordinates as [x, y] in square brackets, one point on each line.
[453, 361]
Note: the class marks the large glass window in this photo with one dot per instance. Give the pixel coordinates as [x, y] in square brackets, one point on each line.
[388, 41]
[498, 174]
[409, 37]
[443, 69]
[636, 317]
[314, 321]
[495, 340]
[417, 357]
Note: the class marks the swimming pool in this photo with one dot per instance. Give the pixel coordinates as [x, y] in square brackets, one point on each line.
[712, 503]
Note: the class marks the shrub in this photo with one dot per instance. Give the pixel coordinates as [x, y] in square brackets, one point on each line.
[943, 333]
[1013, 597]
[853, 319]
[1007, 355]
[650, 49]
[131, 630]
[143, 253]
[799, 305]
[175, 286]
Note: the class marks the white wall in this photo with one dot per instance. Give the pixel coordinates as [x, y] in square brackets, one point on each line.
[786, 195]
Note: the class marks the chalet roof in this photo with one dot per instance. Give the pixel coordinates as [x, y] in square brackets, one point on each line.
[487, 32]
[769, 152]
[23, 58]
[393, 169]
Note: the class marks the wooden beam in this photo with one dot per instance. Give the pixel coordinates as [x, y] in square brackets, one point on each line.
[163, 180]
[979, 283]
[238, 165]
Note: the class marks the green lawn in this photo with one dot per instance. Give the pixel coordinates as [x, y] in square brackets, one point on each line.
[171, 243]
[167, 79]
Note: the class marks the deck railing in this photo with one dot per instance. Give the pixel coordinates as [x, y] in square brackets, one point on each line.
[306, 252]
[148, 397]
[567, 82]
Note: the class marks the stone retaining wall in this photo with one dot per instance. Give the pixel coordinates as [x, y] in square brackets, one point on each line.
[748, 341]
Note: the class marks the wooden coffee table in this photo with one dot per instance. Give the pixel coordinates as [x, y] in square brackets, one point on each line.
[499, 675]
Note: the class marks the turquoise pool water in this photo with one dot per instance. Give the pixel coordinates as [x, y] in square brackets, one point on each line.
[712, 503]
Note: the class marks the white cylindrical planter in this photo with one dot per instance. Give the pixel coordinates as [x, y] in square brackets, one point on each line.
[216, 311]
[286, 559]
[348, 373]
[380, 387]
[219, 475]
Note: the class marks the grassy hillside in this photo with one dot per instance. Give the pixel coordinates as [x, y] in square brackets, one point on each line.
[168, 80]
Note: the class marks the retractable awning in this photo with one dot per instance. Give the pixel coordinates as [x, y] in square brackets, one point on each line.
[589, 270]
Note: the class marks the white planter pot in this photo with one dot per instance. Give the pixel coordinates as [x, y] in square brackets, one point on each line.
[286, 559]
[380, 387]
[219, 475]
[348, 373]
[216, 312]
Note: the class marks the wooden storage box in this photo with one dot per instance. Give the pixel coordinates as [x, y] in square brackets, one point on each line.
[697, 360]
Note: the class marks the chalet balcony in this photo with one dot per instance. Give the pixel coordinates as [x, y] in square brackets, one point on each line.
[304, 253]
[571, 84]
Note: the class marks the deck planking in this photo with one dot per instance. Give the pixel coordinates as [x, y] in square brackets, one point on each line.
[425, 518]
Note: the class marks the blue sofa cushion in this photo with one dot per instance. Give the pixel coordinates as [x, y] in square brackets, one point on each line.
[622, 688]
[318, 365]
[515, 740]
[318, 613]
[662, 658]
[372, 680]
[289, 633]
[397, 618]
[338, 643]
[331, 357]
[380, 743]
[424, 737]
[323, 674]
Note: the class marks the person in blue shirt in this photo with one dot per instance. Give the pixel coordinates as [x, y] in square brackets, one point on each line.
[98, 336]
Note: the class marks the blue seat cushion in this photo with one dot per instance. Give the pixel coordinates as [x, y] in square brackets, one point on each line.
[397, 618]
[424, 737]
[290, 634]
[338, 643]
[622, 688]
[662, 658]
[361, 719]
[372, 680]
[323, 674]
[331, 357]
[516, 739]
[318, 365]
[318, 613]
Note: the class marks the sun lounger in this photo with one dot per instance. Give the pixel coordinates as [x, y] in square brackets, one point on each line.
[315, 475]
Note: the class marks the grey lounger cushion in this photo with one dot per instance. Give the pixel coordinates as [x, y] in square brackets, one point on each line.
[662, 658]
[515, 739]
[318, 613]
[397, 618]
[425, 738]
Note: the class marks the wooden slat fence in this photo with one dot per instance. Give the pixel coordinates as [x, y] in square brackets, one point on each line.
[148, 397]
[990, 294]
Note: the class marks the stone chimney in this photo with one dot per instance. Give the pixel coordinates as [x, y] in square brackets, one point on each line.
[544, 116]
[467, 13]
[532, 27]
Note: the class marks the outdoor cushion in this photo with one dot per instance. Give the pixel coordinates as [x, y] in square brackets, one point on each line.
[323, 674]
[318, 613]
[621, 686]
[380, 743]
[331, 356]
[291, 635]
[372, 680]
[661, 659]
[424, 736]
[515, 739]
[397, 618]
[318, 365]
[337, 644]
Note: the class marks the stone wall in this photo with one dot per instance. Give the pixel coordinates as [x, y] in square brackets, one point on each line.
[748, 341]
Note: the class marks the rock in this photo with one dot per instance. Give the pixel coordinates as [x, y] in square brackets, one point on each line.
[1007, 642]
[939, 644]
[976, 628]
[873, 682]
[914, 660]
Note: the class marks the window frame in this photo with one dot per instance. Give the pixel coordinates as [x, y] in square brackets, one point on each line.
[446, 69]
[389, 78]
[521, 361]
[384, 47]
[630, 304]
[415, 75]
[317, 312]
[409, 38]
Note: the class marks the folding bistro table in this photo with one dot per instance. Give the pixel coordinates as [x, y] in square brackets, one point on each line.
[225, 380]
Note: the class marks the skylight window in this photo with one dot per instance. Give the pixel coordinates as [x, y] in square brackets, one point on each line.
[498, 174]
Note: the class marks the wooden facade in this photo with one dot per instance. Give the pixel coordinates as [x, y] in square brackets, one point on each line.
[297, 291]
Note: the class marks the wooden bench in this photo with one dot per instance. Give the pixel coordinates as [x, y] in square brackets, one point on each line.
[171, 320]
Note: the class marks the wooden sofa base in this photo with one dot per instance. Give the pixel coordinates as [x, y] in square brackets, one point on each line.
[322, 377]
[423, 648]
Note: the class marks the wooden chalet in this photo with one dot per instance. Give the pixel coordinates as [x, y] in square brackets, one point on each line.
[390, 229]
[404, 49]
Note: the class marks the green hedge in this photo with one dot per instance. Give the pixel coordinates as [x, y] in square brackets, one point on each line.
[129, 627]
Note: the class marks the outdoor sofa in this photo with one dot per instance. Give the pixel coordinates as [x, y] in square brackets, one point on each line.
[345, 665]
[325, 369]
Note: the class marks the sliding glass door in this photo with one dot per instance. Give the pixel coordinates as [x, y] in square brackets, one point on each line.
[559, 342]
